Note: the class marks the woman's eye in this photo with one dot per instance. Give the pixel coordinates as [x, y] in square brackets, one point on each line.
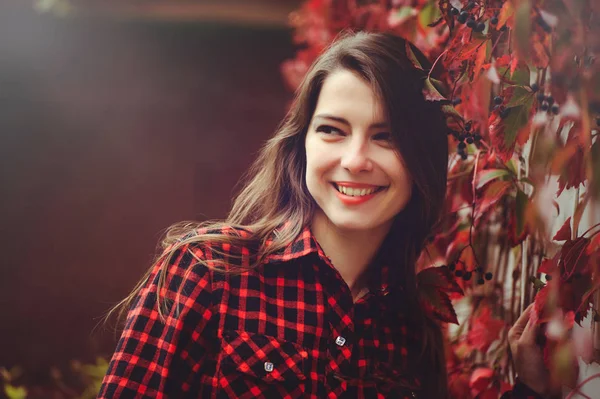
[383, 136]
[328, 130]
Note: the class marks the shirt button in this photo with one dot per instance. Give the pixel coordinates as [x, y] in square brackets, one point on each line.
[268, 367]
[340, 341]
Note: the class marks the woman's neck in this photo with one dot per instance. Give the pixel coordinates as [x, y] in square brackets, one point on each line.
[350, 251]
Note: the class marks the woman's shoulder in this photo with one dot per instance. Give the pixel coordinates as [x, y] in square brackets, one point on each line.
[219, 247]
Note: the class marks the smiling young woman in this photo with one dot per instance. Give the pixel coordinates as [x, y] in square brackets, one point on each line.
[308, 289]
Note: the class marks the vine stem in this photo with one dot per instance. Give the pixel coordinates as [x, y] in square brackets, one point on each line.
[435, 63]
[581, 384]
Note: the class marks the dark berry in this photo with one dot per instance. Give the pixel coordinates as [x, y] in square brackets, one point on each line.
[477, 137]
[534, 87]
[471, 23]
[470, 140]
[545, 106]
[504, 113]
[494, 21]
[480, 27]
[498, 100]
[480, 281]
[540, 97]
[452, 266]
[467, 276]
[504, 28]
[479, 269]
[462, 145]
[463, 156]
[458, 273]
[454, 11]
[462, 18]
[462, 137]
[548, 277]
[456, 101]
[550, 100]
[470, 5]
[555, 109]
[468, 126]
[488, 276]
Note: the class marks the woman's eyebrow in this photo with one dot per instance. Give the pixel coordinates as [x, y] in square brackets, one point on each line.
[378, 125]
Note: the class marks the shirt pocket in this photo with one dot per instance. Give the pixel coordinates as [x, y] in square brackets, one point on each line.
[260, 366]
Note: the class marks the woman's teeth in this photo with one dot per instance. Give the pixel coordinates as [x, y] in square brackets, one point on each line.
[355, 192]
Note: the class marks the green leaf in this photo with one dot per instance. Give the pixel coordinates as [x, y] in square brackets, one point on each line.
[516, 119]
[512, 166]
[521, 76]
[486, 176]
[521, 96]
[450, 110]
[522, 30]
[522, 200]
[430, 92]
[412, 57]
[429, 14]
[14, 392]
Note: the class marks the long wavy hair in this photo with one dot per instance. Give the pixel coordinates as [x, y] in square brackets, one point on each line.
[275, 191]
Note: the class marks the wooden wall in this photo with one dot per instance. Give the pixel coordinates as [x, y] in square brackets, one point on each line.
[109, 132]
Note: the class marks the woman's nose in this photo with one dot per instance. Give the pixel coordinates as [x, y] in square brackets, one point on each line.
[355, 157]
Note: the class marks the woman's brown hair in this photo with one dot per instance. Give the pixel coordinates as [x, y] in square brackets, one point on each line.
[275, 191]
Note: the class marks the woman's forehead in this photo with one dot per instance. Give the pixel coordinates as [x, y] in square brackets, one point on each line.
[346, 95]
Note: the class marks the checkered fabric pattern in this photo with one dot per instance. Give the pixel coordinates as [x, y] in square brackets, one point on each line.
[287, 329]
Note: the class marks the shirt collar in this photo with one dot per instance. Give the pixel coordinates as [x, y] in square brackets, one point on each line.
[382, 278]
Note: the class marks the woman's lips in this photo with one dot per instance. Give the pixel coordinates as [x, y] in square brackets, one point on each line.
[358, 199]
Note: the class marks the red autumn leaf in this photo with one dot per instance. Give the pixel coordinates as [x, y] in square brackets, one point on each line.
[479, 60]
[434, 285]
[480, 380]
[437, 304]
[484, 330]
[573, 173]
[541, 298]
[439, 277]
[548, 266]
[564, 233]
[460, 241]
[594, 245]
[574, 258]
[458, 384]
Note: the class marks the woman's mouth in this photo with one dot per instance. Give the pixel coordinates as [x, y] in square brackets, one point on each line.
[357, 191]
[356, 194]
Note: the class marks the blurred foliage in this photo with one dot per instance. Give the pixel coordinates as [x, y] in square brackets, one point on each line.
[78, 380]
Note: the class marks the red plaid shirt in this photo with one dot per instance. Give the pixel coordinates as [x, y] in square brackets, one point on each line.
[287, 329]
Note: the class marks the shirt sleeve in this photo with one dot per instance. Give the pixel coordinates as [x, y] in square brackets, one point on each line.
[521, 391]
[156, 358]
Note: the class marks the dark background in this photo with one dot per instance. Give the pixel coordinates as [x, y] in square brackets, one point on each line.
[111, 130]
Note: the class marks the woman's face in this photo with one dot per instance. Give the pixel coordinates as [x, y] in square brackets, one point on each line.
[353, 170]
